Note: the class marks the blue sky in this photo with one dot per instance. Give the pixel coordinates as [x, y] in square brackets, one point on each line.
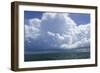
[32, 14]
[47, 30]
[79, 18]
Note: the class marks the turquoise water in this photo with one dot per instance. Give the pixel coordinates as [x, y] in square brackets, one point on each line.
[64, 55]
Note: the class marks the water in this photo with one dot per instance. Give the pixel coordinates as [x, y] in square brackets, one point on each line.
[56, 55]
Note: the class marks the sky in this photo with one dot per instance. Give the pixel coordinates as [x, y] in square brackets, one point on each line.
[55, 30]
[79, 18]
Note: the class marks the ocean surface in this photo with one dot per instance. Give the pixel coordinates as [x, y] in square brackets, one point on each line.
[57, 55]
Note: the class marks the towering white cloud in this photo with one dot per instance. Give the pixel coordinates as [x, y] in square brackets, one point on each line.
[57, 30]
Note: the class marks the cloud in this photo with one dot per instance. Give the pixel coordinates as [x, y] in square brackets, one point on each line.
[55, 30]
[32, 29]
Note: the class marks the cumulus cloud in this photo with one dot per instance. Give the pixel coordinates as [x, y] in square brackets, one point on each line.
[32, 29]
[55, 30]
